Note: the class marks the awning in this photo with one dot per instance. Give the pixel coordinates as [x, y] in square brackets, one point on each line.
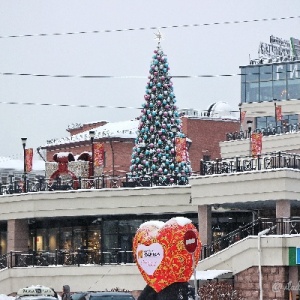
[212, 274]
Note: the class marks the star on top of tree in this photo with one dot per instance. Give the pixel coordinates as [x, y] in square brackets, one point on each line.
[158, 36]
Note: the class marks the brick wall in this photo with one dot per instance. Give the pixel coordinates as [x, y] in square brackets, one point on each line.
[275, 279]
[204, 133]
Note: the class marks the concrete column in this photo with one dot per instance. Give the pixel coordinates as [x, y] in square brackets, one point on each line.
[17, 235]
[204, 219]
[293, 280]
[283, 210]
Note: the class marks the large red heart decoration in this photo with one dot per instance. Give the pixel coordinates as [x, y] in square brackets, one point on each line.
[160, 251]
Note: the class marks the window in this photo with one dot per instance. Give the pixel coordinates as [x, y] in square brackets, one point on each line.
[265, 91]
[265, 122]
[280, 81]
[265, 73]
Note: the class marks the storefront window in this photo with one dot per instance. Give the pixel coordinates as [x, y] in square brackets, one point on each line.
[53, 239]
[41, 240]
[3, 243]
[65, 242]
[265, 122]
[94, 238]
[110, 234]
[79, 237]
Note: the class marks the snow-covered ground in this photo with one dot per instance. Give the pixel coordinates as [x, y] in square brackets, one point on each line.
[4, 297]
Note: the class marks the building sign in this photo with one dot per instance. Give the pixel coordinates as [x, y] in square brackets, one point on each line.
[276, 48]
[294, 256]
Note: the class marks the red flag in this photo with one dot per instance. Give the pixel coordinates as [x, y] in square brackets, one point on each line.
[278, 113]
[180, 146]
[29, 157]
[98, 155]
[256, 144]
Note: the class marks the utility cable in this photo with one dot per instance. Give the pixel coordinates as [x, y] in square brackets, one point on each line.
[140, 77]
[147, 28]
[104, 106]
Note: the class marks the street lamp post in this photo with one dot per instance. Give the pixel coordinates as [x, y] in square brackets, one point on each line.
[92, 136]
[249, 123]
[24, 139]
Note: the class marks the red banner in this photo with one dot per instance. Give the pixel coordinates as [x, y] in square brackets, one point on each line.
[29, 157]
[278, 113]
[243, 114]
[98, 155]
[180, 146]
[256, 144]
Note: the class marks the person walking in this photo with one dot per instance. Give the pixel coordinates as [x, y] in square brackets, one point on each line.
[66, 295]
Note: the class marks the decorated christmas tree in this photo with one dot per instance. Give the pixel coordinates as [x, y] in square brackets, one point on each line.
[160, 146]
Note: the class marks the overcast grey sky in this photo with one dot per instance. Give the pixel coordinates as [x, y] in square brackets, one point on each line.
[191, 50]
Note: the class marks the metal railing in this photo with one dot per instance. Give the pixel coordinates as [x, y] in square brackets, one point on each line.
[280, 129]
[16, 185]
[278, 226]
[15, 259]
[275, 160]
[154, 180]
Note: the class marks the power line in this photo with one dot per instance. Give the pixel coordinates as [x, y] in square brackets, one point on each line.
[104, 106]
[137, 76]
[68, 105]
[147, 28]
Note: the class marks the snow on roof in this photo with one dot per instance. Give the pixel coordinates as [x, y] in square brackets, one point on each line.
[124, 129]
[18, 164]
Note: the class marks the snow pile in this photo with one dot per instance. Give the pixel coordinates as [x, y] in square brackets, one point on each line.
[4, 297]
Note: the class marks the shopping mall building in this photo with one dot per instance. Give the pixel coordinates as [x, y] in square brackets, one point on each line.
[251, 201]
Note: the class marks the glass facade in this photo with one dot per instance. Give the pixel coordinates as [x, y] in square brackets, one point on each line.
[278, 81]
[269, 121]
[107, 239]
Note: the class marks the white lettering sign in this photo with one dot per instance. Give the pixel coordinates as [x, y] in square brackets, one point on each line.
[190, 241]
[149, 257]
